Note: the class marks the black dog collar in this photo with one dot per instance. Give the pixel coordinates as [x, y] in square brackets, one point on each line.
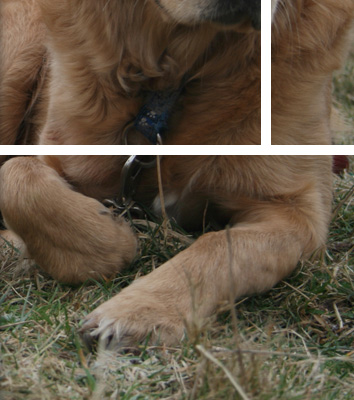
[153, 117]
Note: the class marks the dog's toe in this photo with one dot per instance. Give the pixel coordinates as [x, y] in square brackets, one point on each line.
[97, 330]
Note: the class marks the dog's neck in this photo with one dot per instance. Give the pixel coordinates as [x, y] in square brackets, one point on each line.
[148, 51]
[145, 48]
[114, 51]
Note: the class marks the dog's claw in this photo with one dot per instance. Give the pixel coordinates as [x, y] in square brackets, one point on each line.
[87, 335]
[89, 341]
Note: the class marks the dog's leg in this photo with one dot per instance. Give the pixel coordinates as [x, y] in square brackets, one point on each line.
[71, 236]
[11, 239]
[250, 257]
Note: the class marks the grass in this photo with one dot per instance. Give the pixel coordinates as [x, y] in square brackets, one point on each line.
[295, 342]
[344, 102]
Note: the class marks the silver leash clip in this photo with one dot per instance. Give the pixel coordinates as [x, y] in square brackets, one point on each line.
[124, 201]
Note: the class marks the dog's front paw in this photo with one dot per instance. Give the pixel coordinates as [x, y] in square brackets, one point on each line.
[130, 318]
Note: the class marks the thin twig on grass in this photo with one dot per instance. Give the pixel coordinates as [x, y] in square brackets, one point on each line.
[232, 379]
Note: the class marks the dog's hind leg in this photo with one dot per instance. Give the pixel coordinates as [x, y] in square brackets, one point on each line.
[71, 236]
[252, 256]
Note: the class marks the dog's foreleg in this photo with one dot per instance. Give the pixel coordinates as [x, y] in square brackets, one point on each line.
[71, 236]
[249, 258]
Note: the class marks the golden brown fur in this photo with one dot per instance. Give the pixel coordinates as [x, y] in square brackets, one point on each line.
[278, 208]
[310, 39]
[98, 58]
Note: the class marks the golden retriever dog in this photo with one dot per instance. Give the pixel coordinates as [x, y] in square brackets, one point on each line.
[277, 208]
[78, 72]
[310, 39]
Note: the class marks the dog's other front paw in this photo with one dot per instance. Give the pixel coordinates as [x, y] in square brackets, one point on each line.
[131, 318]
